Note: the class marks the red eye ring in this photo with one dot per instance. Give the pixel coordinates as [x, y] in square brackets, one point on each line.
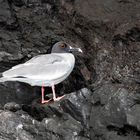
[62, 46]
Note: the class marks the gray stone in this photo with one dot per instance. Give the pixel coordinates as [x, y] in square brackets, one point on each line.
[12, 106]
[114, 112]
[15, 126]
[78, 105]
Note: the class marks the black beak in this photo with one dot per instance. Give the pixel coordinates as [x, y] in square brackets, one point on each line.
[71, 49]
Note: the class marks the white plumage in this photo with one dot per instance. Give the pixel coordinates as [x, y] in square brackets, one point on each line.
[47, 69]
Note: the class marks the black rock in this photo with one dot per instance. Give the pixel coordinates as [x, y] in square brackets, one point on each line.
[7, 19]
[114, 113]
[18, 2]
[72, 112]
[12, 106]
[16, 126]
[18, 92]
[78, 105]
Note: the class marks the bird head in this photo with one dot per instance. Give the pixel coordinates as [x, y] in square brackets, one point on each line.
[62, 47]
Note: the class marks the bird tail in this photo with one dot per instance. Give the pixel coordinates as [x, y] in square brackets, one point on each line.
[3, 79]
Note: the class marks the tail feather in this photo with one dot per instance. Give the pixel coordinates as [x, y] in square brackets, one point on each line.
[3, 79]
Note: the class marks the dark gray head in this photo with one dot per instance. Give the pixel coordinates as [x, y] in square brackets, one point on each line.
[62, 47]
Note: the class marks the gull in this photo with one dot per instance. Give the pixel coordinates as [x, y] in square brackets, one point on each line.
[45, 70]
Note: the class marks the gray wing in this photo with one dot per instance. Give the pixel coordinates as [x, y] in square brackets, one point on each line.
[43, 59]
[48, 58]
[50, 66]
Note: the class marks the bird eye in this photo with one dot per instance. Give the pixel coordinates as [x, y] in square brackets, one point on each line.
[62, 46]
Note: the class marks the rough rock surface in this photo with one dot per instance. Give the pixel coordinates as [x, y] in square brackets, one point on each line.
[49, 122]
[106, 77]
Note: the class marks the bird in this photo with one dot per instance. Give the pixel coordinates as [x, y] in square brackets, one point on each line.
[45, 70]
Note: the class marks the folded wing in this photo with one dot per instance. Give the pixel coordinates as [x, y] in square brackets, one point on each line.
[50, 66]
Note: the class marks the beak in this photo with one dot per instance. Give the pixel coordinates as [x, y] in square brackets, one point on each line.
[71, 49]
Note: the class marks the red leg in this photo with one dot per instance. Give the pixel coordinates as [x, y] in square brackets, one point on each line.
[54, 95]
[42, 98]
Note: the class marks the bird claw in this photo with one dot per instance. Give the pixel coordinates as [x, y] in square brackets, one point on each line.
[58, 98]
[45, 101]
[55, 99]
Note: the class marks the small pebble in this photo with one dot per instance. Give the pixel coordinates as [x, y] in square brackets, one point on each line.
[12, 106]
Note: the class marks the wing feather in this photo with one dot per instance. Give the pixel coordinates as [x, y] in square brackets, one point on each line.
[41, 67]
